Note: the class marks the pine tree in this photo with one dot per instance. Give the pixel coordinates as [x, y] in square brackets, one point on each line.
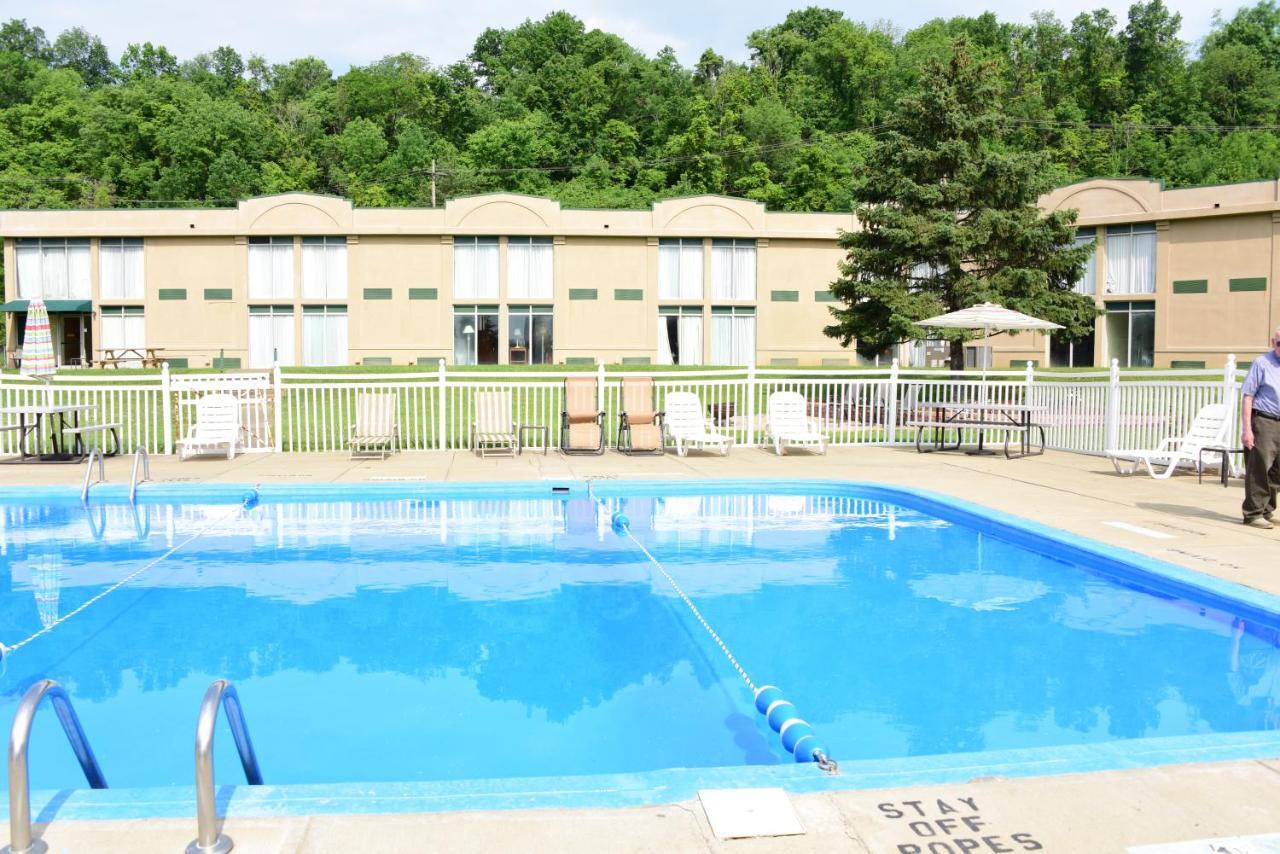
[949, 219]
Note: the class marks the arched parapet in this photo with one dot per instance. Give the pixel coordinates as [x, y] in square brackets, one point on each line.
[295, 213]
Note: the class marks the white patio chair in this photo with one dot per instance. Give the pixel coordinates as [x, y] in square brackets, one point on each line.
[1208, 430]
[790, 424]
[688, 428]
[217, 426]
[376, 431]
[493, 430]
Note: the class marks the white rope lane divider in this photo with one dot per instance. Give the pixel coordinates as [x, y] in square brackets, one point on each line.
[248, 502]
[798, 737]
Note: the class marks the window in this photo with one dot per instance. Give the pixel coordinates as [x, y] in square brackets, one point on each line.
[733, 269]
[324, 335]
[1088, 283]
[1131, 333]
[529, 268]
[733, 336]
[679, 335]
[53, 268]
[324, 267]
[1131, 259]
[270, 268]
[680, 268]
[475, 335]
[529, 335]
[475, 267]
[928, 353]
[1071, 353]
[270, 335]
[120, 268]
[124, 328]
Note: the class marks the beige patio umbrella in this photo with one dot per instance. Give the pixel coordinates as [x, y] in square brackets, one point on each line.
[989, 317]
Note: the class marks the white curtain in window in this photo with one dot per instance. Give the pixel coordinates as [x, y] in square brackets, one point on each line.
[518, 274]
[1088, 283]
[54, 264]
[30, 277]
[722, 340]
[132, 272]
[541, 271]
[733, 272]
[335, 269]
[78, 271]
[324, 339]
[475, 270]
[282, 268]
[668, 271]
[127, 332]
[260, 271]
[691, 270]
[120, 273]
[464, 270]
[270, 340]
[744, 340]
[313, 270]
[689, 340]
[1131, 263]
[664, 342]
[487, 270]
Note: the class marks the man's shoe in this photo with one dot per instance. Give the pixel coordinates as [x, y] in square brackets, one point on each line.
[1259, 522]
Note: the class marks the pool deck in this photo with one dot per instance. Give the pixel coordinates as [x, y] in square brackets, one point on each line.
[1196, 526]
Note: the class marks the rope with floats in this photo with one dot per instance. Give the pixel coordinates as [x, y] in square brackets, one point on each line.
[248, 501]
[798, 737]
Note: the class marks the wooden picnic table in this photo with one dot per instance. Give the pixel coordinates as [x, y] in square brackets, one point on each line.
[113, 357]
[1010, 418]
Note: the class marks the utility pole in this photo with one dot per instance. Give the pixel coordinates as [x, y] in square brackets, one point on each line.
[433, 182]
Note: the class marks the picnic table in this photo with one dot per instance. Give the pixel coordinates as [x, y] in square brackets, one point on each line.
[1011, 419]
[114, 357]
[30, 419]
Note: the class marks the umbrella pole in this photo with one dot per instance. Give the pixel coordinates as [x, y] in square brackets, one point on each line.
[982, 451]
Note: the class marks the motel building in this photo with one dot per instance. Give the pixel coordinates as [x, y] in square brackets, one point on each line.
[1183, 277]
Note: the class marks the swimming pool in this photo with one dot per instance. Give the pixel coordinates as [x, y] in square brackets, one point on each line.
[416, 637]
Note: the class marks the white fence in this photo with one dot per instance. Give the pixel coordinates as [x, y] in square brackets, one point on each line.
[296, 411]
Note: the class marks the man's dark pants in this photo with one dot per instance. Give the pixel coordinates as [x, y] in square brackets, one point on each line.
[1262, 476]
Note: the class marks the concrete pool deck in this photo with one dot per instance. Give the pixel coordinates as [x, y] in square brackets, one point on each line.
[1192, 525]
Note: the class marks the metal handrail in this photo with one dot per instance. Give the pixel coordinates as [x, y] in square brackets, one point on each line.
[221, 693]
[94, 453]
[140, 452]
[20, 841]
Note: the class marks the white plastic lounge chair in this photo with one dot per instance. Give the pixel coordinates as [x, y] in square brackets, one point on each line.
[493, 430]
[1208, 430]
[217, 426]
[687, 427]
[376, 431]
[790, 424]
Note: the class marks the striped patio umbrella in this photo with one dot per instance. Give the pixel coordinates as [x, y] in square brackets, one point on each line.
[988, 317]
[37, 345]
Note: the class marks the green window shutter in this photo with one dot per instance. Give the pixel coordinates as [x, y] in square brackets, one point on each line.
[582, 293]
[377, 293]
[631, 294]
[1185, 364]
[824, 296]
[173, 293]
[784, 363]
[376, 360]
[178, 363]
[1258, 284]
[580, 360]
[635, 360]
[429, 360]
[1191, 286]
[784, 296]
[423, 293]
[217, 294]
[834, 362]
[226, 362]
[1022, 363]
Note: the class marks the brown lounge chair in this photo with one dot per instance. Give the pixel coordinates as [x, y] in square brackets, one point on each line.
[640, 427]
[582, 421]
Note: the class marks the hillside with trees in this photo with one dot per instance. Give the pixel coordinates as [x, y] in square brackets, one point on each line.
[552, 108]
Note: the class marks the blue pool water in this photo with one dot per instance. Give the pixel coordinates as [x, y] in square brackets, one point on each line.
[410, 635]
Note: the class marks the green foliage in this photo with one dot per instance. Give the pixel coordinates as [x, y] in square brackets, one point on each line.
[551, 106]
[949, 219]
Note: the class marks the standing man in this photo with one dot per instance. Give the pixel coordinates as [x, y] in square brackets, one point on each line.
[1260, 434]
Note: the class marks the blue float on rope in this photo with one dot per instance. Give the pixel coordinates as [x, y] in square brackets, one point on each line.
[797, 734]
[794, 730]
[249, 499]
[766, 695]
[619, 521]
[780, 713]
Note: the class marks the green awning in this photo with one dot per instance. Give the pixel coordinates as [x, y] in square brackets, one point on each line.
[63, 306]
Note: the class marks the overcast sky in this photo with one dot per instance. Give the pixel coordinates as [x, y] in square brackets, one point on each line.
[345, 34]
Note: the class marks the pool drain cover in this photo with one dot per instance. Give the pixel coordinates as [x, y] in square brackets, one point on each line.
[744, 813]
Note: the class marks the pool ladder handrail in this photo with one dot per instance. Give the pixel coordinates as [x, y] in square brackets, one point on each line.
[94, 453]
[140, 452]
[20, 841]
[220, 694]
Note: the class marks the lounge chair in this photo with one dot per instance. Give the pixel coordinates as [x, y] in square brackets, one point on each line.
[582, 421]
[1208, 430]
[493, 431]
[217, 426]
[640, 425]
[686, 426]
[376, 431]
[789, 424]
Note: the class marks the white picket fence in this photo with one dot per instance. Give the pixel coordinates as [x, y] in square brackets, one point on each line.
[284, 410]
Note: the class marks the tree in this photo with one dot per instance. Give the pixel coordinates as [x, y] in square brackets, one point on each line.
[949, 219]
[84, 53]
